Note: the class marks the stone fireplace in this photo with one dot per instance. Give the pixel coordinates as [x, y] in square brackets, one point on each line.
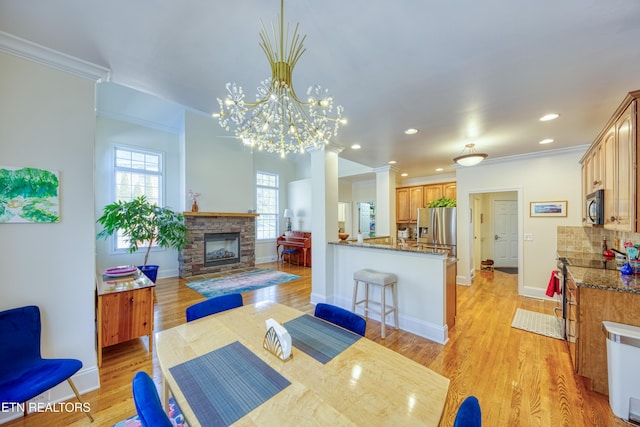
[217, 242]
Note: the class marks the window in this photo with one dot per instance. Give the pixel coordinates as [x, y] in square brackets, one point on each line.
[136, 173]
[267, 195]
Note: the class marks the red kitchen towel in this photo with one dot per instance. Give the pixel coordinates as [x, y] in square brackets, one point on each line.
[554, 284]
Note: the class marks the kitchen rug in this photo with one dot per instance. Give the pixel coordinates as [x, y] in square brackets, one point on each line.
[538, 323]
[242, 282]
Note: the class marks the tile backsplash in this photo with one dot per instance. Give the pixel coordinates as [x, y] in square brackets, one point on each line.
[589, 239]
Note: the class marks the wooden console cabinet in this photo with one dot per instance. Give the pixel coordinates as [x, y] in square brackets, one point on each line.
[124, 309]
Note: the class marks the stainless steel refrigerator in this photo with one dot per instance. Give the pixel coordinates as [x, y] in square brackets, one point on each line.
[437, 228]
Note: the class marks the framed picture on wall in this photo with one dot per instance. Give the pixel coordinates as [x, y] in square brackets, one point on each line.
[551, 208]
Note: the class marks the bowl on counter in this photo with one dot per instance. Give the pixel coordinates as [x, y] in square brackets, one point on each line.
[343, 236]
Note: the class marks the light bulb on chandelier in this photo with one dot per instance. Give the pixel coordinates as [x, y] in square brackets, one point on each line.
[278, 121]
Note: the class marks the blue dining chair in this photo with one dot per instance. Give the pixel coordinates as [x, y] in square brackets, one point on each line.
[24, 374]
[341, 317]
[469, 414]
[147, 401]
[213, 305]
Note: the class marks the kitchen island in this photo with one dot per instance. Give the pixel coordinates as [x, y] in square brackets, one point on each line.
[426, 283]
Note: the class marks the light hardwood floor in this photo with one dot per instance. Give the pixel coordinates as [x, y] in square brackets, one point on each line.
[520, 378]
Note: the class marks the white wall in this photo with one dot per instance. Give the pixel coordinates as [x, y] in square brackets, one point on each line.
[47, 121]
[111, 132]
[553, 176]
[300, 203]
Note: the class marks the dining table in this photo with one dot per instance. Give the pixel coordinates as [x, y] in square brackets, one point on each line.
[219, 373]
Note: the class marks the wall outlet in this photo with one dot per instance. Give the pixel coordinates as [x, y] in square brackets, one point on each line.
[528, 237]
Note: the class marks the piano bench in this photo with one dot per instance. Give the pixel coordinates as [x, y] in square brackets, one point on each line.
[289, 253]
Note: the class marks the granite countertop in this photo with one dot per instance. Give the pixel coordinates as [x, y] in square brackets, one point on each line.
[399, 248]
[600, 278]
[611, 280]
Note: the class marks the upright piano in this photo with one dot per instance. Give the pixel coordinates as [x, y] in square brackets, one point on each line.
[296, 240]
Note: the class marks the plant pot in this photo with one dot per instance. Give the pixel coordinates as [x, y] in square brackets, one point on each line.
[151, 271]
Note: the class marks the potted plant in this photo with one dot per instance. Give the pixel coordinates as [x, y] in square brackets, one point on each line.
[143, 223]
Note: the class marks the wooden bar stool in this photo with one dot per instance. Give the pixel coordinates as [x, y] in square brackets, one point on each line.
[384, 281]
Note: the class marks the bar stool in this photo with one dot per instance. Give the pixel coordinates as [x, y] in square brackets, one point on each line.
[384, 281]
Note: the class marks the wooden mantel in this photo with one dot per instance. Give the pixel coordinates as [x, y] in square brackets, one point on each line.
[217, 214]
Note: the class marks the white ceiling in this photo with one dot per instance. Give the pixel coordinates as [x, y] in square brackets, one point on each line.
[459, 71]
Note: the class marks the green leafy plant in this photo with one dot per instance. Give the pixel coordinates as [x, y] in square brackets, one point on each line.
[142, 223]
[442, 202]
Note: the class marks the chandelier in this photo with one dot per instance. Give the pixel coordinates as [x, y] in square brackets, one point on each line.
[472, 157]
[278, 121]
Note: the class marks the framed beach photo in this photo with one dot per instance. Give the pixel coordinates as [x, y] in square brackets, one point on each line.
[551, 208]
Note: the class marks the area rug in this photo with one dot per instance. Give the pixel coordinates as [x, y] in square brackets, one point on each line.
[177, 420]
[538, 323]
[241, 282]
[509, 270]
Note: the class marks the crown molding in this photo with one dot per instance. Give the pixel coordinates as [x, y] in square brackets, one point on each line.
[43, 55]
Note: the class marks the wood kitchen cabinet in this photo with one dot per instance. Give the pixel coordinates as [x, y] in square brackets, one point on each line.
[595, 306]
[611, 164]
[409, 199]
[124, 310]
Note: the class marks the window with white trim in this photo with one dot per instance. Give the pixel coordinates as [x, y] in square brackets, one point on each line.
[137, 172]
[267, 196]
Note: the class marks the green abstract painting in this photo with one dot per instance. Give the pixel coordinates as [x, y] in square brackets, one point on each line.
[29, 195]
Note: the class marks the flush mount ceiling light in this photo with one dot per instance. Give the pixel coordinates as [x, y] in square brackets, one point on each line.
[356, 146]
[548, 117]
[278, 121]
[471, 158]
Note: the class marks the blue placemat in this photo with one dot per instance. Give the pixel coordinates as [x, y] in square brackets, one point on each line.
[224, 385]
[319, 339]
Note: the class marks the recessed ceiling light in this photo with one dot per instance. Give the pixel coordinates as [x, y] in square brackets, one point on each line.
[404, 174]
[439, 170]
[548, 117]
[356, 147]
[392, 162]
[215, 115]
[546, 141]
[411, 131]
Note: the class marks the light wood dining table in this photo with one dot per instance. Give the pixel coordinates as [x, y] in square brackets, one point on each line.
[365, 384]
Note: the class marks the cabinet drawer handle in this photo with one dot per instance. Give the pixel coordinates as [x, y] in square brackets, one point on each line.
[131, 301]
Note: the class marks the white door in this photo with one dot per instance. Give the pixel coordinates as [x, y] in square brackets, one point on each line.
[505, 228]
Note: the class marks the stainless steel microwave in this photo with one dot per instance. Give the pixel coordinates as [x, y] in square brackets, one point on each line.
[595, 207]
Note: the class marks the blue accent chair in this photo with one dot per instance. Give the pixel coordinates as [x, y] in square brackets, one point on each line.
[147, 401]
[341, 317]
[469, 414]
[24, 374]
[213, 305]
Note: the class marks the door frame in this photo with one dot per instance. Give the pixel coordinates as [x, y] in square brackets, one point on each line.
[469, 232]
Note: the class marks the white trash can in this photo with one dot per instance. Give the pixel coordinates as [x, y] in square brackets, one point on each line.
[623, 354]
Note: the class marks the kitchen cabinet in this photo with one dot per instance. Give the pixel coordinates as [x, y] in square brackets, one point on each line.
[620, 213]
[611, 164]
[402, 205]
[596, 305]
[409, 199]
[450, 294]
